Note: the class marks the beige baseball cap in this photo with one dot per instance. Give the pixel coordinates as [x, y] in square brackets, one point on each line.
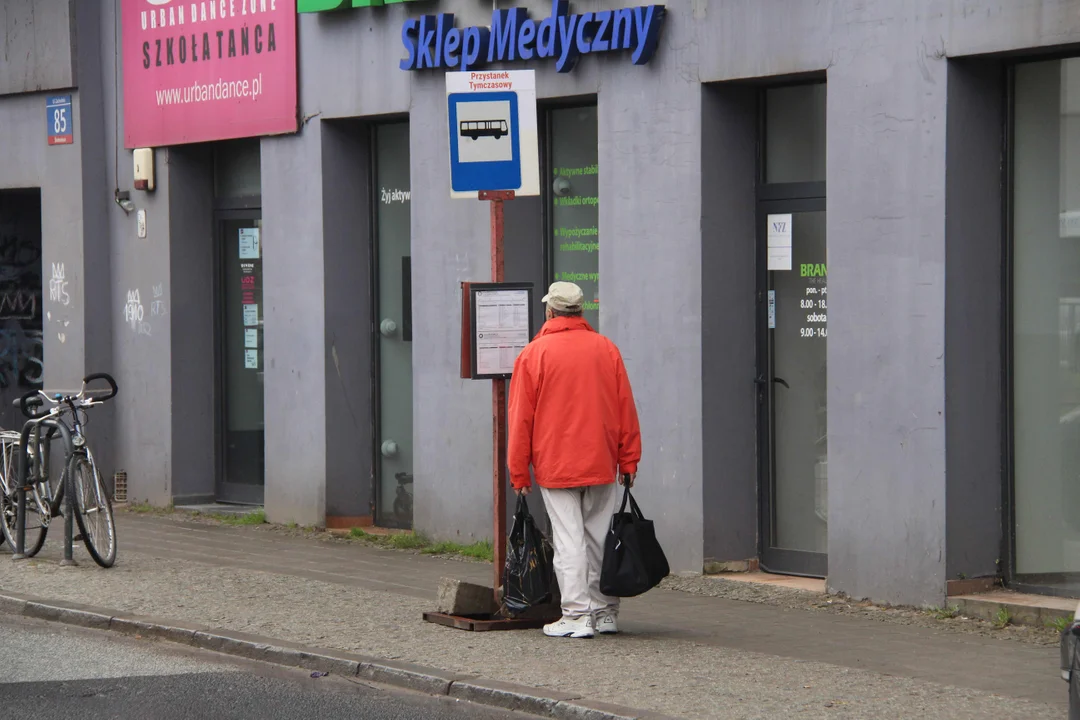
[564, 296]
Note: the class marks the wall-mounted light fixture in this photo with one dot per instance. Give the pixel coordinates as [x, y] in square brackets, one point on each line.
[561, 186]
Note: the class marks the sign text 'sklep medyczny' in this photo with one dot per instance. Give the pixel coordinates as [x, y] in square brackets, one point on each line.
[432, 41]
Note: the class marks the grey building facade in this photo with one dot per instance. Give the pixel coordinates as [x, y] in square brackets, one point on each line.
[921, 155]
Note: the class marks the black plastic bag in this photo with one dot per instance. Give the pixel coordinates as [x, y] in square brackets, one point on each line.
[1068, 649]
[634, 562]
[1070, 666]
[529, 563]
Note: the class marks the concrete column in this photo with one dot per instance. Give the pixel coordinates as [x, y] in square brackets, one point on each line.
[886, 233]
[295, 328]
[451, 416]
[114, 276]
[650, 280]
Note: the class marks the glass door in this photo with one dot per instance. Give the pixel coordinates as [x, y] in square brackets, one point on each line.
[793, 286]
[393, 320]
[240, 373]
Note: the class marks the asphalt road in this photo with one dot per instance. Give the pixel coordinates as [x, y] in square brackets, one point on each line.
[51, 670]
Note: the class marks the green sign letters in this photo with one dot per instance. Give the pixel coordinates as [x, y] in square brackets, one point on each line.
[312, 6]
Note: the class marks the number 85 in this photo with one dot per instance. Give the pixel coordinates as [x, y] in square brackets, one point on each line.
[59, 121]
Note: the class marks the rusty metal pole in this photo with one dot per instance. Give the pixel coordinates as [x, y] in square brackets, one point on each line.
[498, 400]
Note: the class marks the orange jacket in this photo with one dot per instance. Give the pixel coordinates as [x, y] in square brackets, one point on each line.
[572, 413]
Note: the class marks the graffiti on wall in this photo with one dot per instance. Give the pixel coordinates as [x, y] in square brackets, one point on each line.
[134, 313]
[58, 291]
[22, 363]
[21, 356]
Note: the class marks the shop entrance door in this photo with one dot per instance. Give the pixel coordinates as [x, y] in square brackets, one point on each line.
[791, 380]
[393, 326]
[240, 358]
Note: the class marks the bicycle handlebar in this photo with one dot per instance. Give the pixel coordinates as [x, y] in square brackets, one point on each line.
[37, 398]
[107, 378]
[30, 400]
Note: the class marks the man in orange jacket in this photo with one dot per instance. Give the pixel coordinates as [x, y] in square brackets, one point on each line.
[572, 417]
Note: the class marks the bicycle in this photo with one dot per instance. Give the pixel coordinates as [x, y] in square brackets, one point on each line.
[92, 506]
[39, 495]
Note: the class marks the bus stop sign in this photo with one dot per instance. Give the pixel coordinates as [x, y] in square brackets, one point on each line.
[493, 136]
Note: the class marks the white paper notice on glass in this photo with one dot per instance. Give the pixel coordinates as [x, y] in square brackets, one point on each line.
[779, 246]
[251, 359]
[251, 338]
[249, 243]
[251, 314]
[502, 329]
[772, 309]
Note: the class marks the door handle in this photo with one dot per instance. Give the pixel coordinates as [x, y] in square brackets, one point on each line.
[782, 381]
[406, 298]
[761, 381]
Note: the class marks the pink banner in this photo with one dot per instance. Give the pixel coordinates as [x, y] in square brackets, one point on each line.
[205, 70]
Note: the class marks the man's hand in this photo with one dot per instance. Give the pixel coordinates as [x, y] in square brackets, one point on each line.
[523, 491]
[628, 480]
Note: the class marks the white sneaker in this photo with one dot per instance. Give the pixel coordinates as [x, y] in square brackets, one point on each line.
[580, 627]
[606, 624]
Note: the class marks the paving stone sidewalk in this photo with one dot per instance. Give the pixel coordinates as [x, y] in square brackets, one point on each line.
[681, 654]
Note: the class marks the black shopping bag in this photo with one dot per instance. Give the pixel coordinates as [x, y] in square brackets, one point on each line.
[1070, 666]
[634, 562]
[529, 563]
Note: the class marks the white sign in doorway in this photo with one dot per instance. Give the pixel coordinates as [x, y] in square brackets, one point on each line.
[779, 242]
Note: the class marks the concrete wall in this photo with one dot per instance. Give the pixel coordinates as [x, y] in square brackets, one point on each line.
[888, 442]
[57, 170]
[989, 26]
[142, 352]
[97, 355]
[37, 43]
[76, 325]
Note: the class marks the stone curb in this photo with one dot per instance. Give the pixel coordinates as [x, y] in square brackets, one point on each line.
[508, 696]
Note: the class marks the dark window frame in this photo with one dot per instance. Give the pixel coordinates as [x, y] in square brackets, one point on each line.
[797, 196]
[546, 164]
[1031, 583]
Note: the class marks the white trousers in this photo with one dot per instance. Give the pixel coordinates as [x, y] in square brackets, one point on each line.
[580, 518]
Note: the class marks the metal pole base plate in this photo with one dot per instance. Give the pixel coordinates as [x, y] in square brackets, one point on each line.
[20, 557]
[68, 563]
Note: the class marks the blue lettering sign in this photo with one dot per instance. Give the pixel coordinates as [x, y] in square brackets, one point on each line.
[432, 41]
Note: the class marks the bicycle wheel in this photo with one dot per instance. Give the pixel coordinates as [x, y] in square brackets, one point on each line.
[38, 512]
[93, 511]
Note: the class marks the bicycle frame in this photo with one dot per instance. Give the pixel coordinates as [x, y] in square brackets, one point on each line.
[74, 449]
